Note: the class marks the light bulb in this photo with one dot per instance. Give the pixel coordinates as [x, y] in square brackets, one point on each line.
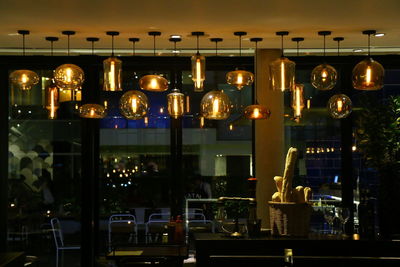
[368, 76]
[153, 84]
[324, 77]
[256, 113]
[339, 106]
[133, 105]
[282, 76]
[111, 76]
[201, 122]
[297, 100]
[24, 78]
[68, 75]
[112, 68]
[215, 106]
[198, 72]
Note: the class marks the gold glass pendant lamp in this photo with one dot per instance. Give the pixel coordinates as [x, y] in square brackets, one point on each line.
[24, 79]
[368, 74]
[134, 105]
[324, 76]
[256, 111]
[215, 105]
[339, 105]
[112, 69]
[69, 76]
[134, 40]
[153, 82]
[282, 70]
[239, 77]
[198, 66]
[297, 93]
[175, 99]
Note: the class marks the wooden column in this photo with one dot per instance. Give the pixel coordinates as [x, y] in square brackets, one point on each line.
[269, 135]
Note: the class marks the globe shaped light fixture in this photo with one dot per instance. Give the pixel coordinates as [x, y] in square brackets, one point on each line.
[112, 69]
[24, 79]
[282, 70]
[238, 77]
[340, 106]
[215, 105]
[153, 82]
[297, 102]
[69, 76]
[52, 100]
[256, 111]
[92, 111]
[198, 66]
[176, 106]
[324, 76]
[134, 105]
[368, 75]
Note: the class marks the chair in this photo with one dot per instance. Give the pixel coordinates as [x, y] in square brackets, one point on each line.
[155, 226]
[197, 222]
[59, 239]
[122, 224]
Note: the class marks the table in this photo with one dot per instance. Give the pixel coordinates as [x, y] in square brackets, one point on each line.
[218, 250]
[172, 254]
[12, 259]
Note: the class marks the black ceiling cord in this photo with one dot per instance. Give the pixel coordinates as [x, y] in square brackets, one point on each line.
[198, 34]
[51, 39]
[23, 33]
[175, 40]
[324, 33]
[68, 33]
[255, 40]
[154, 34]
[298, 40]
[281, 34]
[92, 40]
[338, 40]
[134, 40]
[369, 33]
[112, 34]
[216, 40]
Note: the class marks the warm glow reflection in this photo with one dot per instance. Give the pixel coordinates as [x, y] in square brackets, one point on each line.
[201, 122]
[239, 79]
[153, 84]
[256, 113]
[215, 106]
[134, 105]
[339, 104]
[368, 76]
[308, 103]
[24, 78]
[68, 75]
[175, 105]
[324, 75]
[282, 76]
[231, 127]
[92, 112]
[146, 121]
[187, 104]
[297, 100]
[105, 104]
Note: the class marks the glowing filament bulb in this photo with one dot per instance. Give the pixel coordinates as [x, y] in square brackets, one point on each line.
[240, 79]
[339, 105]
[105, 104]
[146, 121]
[161, 110]
[24, 78]
[282, 76]
[52, 106]
[230, 127]
[308, 103]
[368, 75]
[134, 105]
[175, 106]
[111, 76]
[201, 122]
[187, 104]
[198, 73]
[216, 106]
[68, 75]
[92, 112]
[324, 75]
[256, 113]
[153, 84]
[298, 104]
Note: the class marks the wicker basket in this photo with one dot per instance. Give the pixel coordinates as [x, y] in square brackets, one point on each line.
[289, 219]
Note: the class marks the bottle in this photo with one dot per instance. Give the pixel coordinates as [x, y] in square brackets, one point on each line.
[179, 231]
[171, 230]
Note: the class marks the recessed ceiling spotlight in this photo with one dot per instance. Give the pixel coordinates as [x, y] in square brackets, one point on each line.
[176, 36]
[379, 34]
[358, 50]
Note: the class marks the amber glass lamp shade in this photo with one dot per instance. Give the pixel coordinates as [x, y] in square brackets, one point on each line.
[368, 75]
[257, 112]
[153, 83]
[198, 72]
[324, 77]
[215, 105]
[240, 78]
[282, 74]
[112, 68]
[92, 111]
[297, 102]
[176, 106]
[340, 106]
[24, 79]
[134, 105]
[52, 101]
[69, 77]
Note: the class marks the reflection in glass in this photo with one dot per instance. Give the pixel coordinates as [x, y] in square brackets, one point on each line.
[134, 105]
[297, 100]
[112, 68]
[368, 75]
[282, 74]
[340, 106]
[24, 79]
[175, 103]
[240, 78]
[154, 83]
[69, 77]
[92, 111]
[257, 112]
[324, 77]
[70, 95]
[198, 72]
[215, 105]
[52, 103]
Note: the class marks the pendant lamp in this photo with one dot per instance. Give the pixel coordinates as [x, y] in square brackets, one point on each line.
[282, 70]
[175, 99]
[339, 105]
[112, 69]
[134, 40]
[324, 76]
[134, 105]
[153, 82]
[51, 93]
[24, 79]
[368, 75]
[215, 105]
[238, 77]
[256, 111]
[198, 66]
[297, 94]
[69, 76]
